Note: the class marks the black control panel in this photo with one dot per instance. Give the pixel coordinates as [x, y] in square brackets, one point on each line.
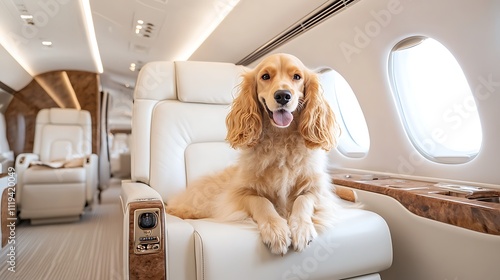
[147, 231]
[148, 220]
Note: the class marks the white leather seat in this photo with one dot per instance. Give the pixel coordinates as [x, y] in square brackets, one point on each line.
[178, 131]
[6, 154]
[120, 155]
[47, 194]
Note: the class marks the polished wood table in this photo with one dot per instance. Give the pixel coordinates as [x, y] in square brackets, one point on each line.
[471, 207]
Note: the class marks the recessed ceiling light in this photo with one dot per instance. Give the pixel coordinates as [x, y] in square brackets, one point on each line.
[28, 19]
[138, 29]
[136, 66]
[144, 29]
[47, 43]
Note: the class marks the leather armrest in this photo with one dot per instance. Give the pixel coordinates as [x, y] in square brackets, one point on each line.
[22, 163]
[137, 192]
[24, 160]
[137, 197]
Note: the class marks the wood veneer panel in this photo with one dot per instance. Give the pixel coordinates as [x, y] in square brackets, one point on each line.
[86, 86]
[24, 106]
[31, 99]
[427, 200]
[4, 216]
[146, 266]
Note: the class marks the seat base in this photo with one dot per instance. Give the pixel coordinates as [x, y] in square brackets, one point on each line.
[52, 201]
[358, 245]
[58, 220]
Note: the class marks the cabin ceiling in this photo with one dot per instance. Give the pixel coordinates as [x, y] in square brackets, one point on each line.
[177, 30]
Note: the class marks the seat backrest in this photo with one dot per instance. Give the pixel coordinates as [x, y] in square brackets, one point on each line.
[62, 134]
[178, 122]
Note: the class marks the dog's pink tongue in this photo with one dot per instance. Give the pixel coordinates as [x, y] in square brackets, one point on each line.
[282, 117]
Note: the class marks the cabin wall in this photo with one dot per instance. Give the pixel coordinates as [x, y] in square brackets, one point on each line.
[469, 29]
[423, 248]
[21, 113]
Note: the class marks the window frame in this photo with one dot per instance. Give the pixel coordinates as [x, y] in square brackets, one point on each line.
[346, 144]
[439, 153]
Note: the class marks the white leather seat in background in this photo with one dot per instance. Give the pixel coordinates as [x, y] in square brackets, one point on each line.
[61, 194]
[178, 130]
[120, 155]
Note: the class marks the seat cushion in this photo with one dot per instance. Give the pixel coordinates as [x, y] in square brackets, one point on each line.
[359, 244]
[47, 175]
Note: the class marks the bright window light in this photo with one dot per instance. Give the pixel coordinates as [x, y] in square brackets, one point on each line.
[354, 140]
[435, 101]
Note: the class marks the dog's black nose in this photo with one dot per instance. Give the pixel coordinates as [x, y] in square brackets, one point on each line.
[282, 96]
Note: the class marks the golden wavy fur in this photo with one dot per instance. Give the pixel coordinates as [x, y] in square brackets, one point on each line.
[283, 126]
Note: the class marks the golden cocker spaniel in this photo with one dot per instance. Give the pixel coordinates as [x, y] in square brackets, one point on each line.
[283, 125]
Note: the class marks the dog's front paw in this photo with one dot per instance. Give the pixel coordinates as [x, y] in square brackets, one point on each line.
[276, 234]
[303, 232]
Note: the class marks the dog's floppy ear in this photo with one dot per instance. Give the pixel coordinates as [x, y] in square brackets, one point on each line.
[244, 121]
[317, 122]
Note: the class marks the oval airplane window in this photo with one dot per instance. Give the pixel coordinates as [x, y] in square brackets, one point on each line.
[354, 140]
[435, 101]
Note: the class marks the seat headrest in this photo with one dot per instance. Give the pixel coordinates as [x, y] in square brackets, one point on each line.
[156, 81]
[63, 116]
[189, 81]
[207, 82]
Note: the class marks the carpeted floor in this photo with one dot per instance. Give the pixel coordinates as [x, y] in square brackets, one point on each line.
[88, 249]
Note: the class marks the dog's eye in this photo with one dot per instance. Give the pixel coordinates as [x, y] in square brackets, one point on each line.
[266, 77]
[297, 77]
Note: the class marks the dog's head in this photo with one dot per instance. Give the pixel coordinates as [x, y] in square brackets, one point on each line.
[280, 87]
[281, 90]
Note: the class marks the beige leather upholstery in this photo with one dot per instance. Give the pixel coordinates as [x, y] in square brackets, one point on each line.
[178, 131]
[57, 194]
[6, 154]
